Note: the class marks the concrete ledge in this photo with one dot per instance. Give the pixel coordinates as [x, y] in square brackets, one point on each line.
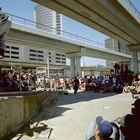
[16, 111]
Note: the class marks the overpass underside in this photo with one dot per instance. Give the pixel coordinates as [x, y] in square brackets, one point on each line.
[106, 16]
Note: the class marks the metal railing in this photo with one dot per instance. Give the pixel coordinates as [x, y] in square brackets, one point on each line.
[36, 25]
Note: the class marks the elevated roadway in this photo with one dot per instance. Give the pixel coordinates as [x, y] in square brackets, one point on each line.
[112, 17]
[72, 48]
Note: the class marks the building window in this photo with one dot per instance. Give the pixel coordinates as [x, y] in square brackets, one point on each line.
[58, 58]
[63, 58]
[7, 51]
[40, 55]
[58, 62]
[15, 57]
[64, 62]
[32, 59]
[6, 56]
[40, 51]
[32, 55]
[37, 51]
[12, 52]
[32, 50]
[57, 54]
[36, 55]
[7, 47]
[15, 48]
[40, 60]
[36, 59]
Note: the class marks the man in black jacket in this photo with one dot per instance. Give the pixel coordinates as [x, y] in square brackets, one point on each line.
[75, 85]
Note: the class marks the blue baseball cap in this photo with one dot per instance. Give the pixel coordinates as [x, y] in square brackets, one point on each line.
[105, 128]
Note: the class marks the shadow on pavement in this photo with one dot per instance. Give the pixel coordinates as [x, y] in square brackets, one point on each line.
[83, 96]
[55, 109]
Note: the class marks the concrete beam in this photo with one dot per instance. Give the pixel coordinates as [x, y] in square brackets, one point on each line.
[38, 38]
[134, 47]
[41, 38]
[106, 16]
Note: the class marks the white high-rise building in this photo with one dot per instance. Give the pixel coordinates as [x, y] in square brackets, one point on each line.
[51, 19]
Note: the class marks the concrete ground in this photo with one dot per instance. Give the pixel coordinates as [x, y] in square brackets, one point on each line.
[69, 118]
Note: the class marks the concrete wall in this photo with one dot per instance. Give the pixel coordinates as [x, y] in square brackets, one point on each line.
[16, 111]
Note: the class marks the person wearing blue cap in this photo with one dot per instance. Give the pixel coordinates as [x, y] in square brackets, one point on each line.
[101, 129]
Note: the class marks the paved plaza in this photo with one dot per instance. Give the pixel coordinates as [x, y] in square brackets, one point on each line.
[69, 118]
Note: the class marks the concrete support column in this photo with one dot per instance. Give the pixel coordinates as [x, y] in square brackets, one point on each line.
[75, 63]
[72, 61]
[78, 67]
[75, 66]
[134, 62]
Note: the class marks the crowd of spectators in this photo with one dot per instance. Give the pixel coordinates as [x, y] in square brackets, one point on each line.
[120, 79]
[10, 80]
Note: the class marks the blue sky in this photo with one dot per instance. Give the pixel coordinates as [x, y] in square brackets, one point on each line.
[24, 8]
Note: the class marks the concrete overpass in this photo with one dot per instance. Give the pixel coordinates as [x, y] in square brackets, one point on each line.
[107, 16]
[73, 49]
[116, 18]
